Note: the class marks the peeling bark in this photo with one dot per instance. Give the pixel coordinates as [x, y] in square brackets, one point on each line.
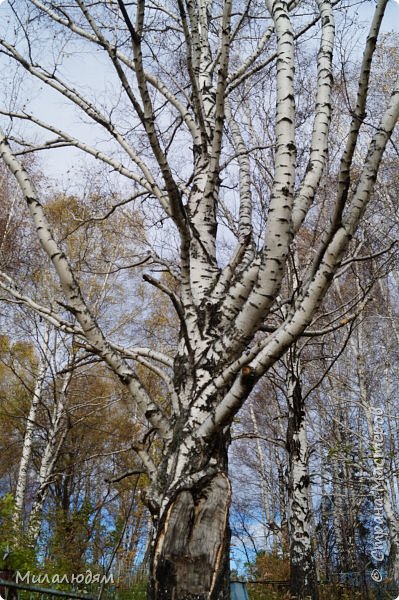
[190, 501]
[191, 545]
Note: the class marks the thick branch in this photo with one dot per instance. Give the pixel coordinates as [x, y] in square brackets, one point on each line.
[72, 291]
[322, 120]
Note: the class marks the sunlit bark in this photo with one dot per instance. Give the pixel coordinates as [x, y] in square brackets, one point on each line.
[303, 581]
[25, 463]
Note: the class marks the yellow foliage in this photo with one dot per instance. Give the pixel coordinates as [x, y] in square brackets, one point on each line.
[4, 344]
[272, 566]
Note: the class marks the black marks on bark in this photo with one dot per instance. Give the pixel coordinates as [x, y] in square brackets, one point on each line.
[248, 375]
[181, 371]
[302, 566]
[150, 413]
[125, 379]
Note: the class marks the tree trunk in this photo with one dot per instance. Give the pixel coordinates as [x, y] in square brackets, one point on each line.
[266, 517]
[24, 464]
[393, 529]
[378, 461]
[303, 581]
[56, 437]
[191, 547]
[191, 540]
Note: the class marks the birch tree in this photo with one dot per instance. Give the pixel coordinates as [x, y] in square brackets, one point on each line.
[177, 132]
[24, 465]
[303, 580]
[56, 437]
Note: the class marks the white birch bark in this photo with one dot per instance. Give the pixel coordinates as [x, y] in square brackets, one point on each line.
[267, 520]
[377, 461]
[24, 465]
[302, 563]
[70, 286]
[321, 125]
[57, 433]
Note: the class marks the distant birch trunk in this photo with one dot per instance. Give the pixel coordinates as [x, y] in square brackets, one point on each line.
[344, 506]
[391, 509]
[266, 520]
[378, 461]
[58, 430]
[20, 492]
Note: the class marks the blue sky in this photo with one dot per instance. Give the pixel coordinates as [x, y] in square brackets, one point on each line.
[91, 69]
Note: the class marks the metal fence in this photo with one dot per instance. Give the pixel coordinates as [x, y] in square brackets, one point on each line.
[134, 590]
[359, 586]
[340, 588]
[10, 590]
